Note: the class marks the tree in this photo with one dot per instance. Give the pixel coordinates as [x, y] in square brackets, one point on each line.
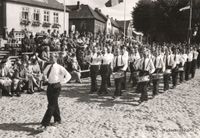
[161, 20]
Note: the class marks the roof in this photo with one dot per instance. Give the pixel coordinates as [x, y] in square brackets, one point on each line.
[84, 12]
[121, 23]
[49, 4]
[98, 11]
[114, 23]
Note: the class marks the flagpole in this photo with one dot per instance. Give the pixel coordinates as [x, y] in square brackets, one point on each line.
[124, 20]
[64, 22]
[190, 24]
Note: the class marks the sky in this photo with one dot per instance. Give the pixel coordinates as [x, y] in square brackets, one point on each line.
[117, 12]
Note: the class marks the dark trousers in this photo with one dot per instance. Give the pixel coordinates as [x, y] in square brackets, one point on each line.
[53, 92]
[181, 75]
[6, 90]
[124, 81]
[198, 62]
[104, 72]
[155, 86]
[142, 87]
[187, 70]
[174, 77]
[94, 70]
[193, 67]
[109, 82]
[166, 78]
[134, 77]
[118, 85]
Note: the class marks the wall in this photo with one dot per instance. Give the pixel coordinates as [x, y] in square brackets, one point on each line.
[99, 26]
[82, 25]
[115, 30]
[14, 16]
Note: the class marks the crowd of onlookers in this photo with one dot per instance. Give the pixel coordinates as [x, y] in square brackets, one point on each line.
[25, 74]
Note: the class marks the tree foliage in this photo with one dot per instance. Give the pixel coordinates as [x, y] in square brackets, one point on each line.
[161, 20]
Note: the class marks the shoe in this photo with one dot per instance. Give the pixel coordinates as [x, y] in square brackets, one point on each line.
[42, 128]
[30, 91]
[18, 95]
[56, 123]
[10, 94]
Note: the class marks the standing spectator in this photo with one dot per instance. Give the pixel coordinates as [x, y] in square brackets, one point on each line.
[56, 75]
[25, 43]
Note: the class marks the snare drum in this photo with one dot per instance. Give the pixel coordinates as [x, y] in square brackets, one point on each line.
[181, 69]
[118, 75]
[143, 79]
[135, 73]
[157, 76]
[168, 71]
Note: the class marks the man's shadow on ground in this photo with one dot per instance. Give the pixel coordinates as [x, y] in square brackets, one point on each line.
[25, 127]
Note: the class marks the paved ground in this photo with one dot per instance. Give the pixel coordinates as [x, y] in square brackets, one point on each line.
[172, 114]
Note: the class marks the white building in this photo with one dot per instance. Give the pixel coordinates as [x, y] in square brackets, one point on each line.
[33, 15]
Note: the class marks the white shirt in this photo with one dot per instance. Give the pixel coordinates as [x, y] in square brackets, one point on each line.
[134, 57]
[111, 57]
[57, 74]
[105, 59]
[158, 62]
[120, 62]
[190, 57]
[195, 54]
[95, 59]
[148, 65]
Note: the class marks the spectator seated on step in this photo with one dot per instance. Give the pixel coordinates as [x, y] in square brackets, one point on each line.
[35, 74]
[5, 78]
[76, 70]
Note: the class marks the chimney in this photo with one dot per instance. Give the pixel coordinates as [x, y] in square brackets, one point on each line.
[100, 10]
[96, 9]
[78, 4]
[107, 16]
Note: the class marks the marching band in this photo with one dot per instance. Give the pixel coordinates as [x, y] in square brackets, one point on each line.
[147, 66]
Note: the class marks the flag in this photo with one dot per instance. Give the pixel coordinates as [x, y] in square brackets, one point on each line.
[111, 3]
[184, 8]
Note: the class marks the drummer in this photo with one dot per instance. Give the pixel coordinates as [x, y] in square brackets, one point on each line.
[133, 59]
[175, 67]
[146, 68]
[119, 66]
[159, 68]
[183, 59]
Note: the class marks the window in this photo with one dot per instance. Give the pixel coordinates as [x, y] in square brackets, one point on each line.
[36, 15]
[25, 13]
[46, 16]
[55, 18]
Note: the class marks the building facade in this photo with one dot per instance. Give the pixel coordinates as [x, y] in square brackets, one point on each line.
[33, 15]
[84, 19]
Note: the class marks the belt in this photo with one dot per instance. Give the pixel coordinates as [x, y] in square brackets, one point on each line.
[52, 84]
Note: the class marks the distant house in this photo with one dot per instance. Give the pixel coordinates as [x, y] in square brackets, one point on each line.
[129, 30]
[33, 15]
[112, 26]
[83, 18]
[115, 26]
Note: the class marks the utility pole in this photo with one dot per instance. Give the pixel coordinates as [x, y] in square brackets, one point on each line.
[64, 18]
[190, 24]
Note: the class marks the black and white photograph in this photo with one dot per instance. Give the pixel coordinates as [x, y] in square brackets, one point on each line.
[99, 68]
